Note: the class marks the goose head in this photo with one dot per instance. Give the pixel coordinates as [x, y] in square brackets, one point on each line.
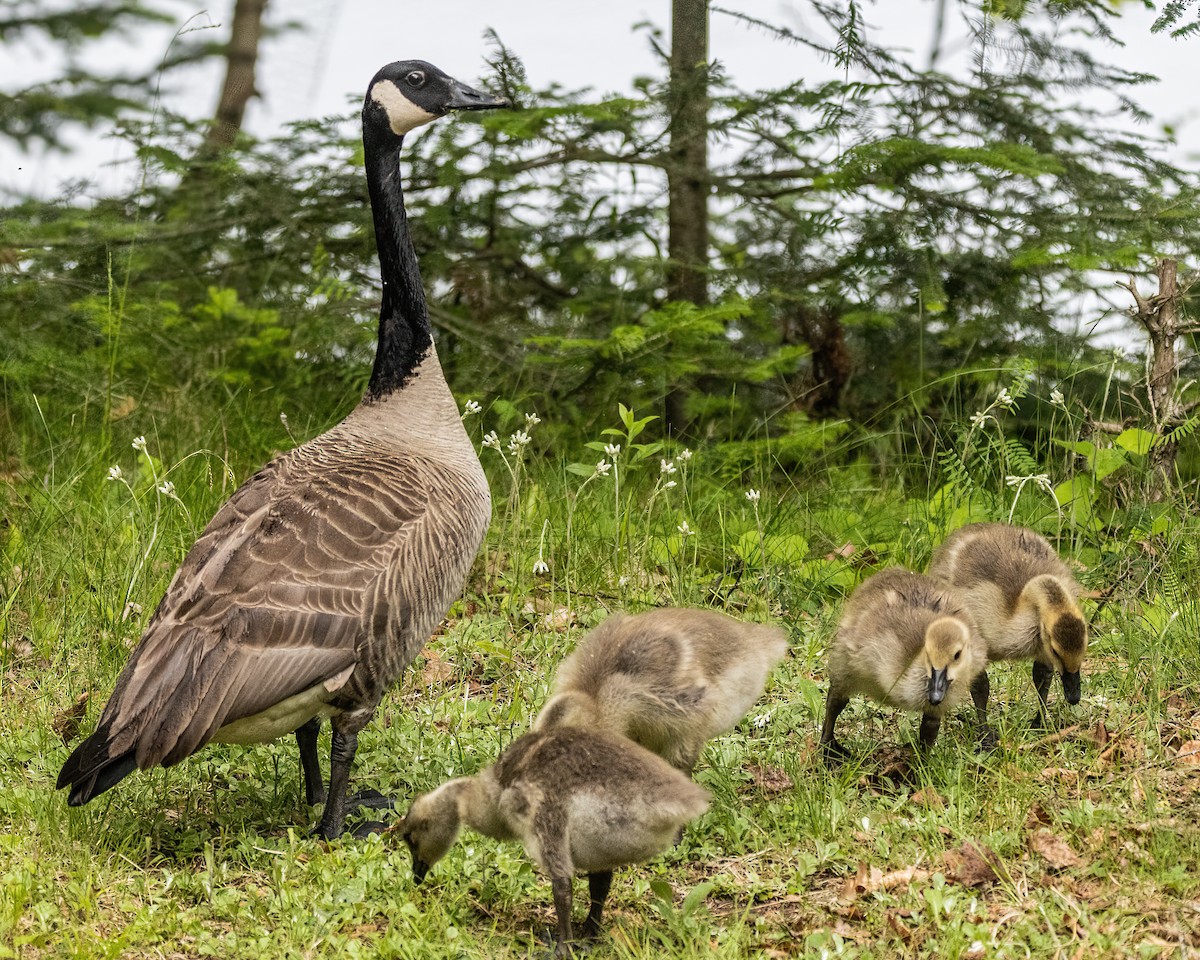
[948, 656]
[1062, 630]
[408, 93]
[431, 826]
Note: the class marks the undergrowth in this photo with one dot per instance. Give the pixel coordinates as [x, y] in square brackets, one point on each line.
[1088, 832]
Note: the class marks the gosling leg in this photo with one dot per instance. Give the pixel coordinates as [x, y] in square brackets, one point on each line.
[561, 888]
[598, 885]
[931, 723]
[831, 750]
[981, 689]
[310, 764]
[1042, 675]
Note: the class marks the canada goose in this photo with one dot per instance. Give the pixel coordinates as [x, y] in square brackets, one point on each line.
[324, 574]
[668, 679]
[577, 800]
[1023, 598]
[905, 640]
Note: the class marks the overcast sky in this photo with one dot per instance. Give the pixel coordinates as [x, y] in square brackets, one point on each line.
[576, 43]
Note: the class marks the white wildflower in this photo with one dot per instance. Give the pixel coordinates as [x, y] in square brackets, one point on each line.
[470, 407]
[1057, 398]
[517, 441]
[761, 720]
[541, 566]
[669, 484]
[114, 473]
[684, 455]
[167, 488]
[1004, 399]
[602, 469]
[667, 466]
[283, 418]
[753, 496]
[1015, 481]
[1043, 481]
[612, 449]
[532, 420]
[980, 418]
[684, 529]
[491, 440]
[139, 444]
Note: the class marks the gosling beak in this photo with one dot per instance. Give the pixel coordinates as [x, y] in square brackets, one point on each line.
[939, 683]
[420, 868]
[463, 97]
[1071, 686]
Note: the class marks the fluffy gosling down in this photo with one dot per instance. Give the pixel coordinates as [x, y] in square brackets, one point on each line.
[668, 679]
[905, 640]
[577, 800]
[1024, 600]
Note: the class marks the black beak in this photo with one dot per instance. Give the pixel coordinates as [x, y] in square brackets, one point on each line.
[420, 868]
[463, 97]
[938, 685]
[1071, 686]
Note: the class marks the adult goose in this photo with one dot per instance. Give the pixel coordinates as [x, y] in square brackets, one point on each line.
[1025, 601]
[319, 581]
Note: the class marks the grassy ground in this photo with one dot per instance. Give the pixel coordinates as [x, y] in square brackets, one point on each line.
[1080, 842]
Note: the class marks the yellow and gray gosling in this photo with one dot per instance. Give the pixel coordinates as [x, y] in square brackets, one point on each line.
[1024, 600]
[577, 800]
[907, 641]
[668, 679]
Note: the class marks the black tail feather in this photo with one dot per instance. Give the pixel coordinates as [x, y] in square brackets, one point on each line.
[89, 771]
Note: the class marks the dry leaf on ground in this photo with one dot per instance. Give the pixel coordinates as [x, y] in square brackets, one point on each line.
[1053, 849]
[1189, 754]
[869, 880]
[1037, 817]
[437, 669]
[971, 865]
[770, 779]
[928, 798]
[66, 722]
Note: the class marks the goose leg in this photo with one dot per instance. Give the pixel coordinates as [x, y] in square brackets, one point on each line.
[310, 764]
[1042, 675]
[561, 888]
[981, 689]
[341, 757]
[931, 723]
[830, 748]
[598, 884]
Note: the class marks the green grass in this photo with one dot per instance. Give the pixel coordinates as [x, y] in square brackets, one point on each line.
[214, 857]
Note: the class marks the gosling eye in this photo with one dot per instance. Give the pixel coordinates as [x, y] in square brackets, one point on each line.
[957, 655]
[415, 78]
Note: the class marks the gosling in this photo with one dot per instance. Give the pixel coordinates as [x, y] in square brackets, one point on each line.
[667, 679]
[1025, 602]
[577, 800]
[905, 640]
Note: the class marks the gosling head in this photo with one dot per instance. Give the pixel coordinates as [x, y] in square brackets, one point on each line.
[431, 826]
[1062, 630]
[947, 654]
[408, 93]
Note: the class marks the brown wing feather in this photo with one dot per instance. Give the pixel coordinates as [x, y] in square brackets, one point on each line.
[276, 595]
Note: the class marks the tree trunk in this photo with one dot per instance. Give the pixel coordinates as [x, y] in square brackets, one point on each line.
[242, 57]
[1160, 315]
[830, 363]
[687, 172]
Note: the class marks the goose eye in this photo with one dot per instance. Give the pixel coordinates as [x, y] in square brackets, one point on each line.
[416, 78]
[957, 655]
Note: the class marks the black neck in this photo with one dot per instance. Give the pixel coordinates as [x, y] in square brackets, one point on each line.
[404, 332]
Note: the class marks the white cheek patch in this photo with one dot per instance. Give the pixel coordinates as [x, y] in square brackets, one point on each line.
[403, 114]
